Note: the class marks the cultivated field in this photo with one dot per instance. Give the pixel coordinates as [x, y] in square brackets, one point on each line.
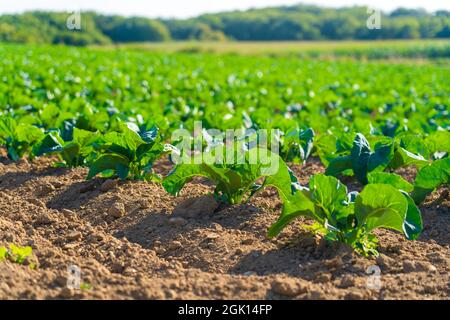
[91, 177]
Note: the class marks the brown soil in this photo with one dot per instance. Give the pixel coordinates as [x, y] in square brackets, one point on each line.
[131, 243]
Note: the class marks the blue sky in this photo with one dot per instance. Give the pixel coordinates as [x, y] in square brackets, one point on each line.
[189, 8]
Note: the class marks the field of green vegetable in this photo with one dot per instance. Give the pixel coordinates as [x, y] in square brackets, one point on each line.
[114, 112]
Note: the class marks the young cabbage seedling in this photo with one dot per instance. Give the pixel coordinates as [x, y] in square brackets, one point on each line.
[297, 145]
[234, 182]
[360, 159]
[127, 154]
[350, 217]
[431, 177]
[73, 153]
[18, 138]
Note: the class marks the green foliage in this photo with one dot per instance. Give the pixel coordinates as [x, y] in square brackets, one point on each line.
[3, 253]
[18, 138]
[86, 286]
[431, 177]
[101, 109]
[127, 154]
[16, 254]
[349, 217]
[365, 160]
[133, 29]
[297, 145]
[233, 181]
[361, 160]
[392, 179]
[73, 153]
[299, 22]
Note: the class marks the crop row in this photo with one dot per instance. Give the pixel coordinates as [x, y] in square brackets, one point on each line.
[387, 200]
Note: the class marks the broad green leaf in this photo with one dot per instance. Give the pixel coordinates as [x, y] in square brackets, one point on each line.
[49, 144]
[364, 160]
[232, 181]
[28, 133]
[380, 158]
[151, 135]
[71, 153]
[360, 156]
[381, 205]
[416, 145]
[83, 137]
[20, 253]
[390, 178]
[338, 165]
[438, 141]
[325, 147]
[413, 225]
[345, 142]
[115, 162]
[430, 177]
[298, 145]
[403, 157]
[7, 127]
[183, 173]
[329, 196]
[294, 206]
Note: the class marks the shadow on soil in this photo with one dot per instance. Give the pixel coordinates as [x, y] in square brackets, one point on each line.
[75, 195]
[298, 260]
[301, 257]
[156, 226]
[14, 180]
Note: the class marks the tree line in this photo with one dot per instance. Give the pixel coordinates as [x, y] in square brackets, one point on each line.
[299, 22]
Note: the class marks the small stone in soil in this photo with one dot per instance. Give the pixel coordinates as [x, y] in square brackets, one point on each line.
[175, 245]
[286, 287]
[347, 281]
[66, 293]
[68, 213]
[335, 263]
[315, 295]
[108, 185]
[177, 221]
[95, 237]
[160, 251]
[117, 267]
[247, 241]
[430, 289]
[75, 235]
[144, 204]
[44, 219]
[419, 266]
[46, 189]
[385, 261]
[117, 210]
[307, 242]
[57, 184]
[323, 277]
[37, 202]
[354, 296]
[212, 236]
[61, 281]
[216, 227]
[425, 267]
